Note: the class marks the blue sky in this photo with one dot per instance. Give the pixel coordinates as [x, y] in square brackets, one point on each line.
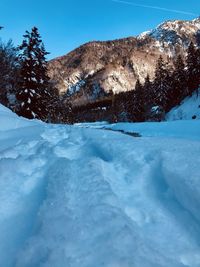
[66, 24]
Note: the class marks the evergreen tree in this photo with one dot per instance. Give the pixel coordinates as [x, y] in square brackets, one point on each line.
[9, 69]
[60, 110]
[162, 84]
[148, 96]
[34, 82]
[192, 68]
[179, 83]
[139, 109]
[198, 69]
[121, 106]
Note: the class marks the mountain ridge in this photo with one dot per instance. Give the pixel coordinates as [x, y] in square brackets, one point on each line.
[114, 66]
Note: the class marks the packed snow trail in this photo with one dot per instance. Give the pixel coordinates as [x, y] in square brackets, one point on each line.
[71, 196]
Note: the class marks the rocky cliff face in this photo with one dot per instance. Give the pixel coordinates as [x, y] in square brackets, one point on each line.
[96, 68]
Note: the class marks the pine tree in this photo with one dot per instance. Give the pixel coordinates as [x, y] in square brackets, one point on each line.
[192, 68]
[60, 111]
[139, 102]
[198, 69]
[179, 82]
[33, 94]
[162, 84]
[121, 106]
[148, 95]
[9, 68]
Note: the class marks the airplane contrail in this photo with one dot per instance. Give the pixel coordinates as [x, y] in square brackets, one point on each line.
[155, 7]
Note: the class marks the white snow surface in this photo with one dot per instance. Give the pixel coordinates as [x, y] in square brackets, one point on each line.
[81, 195]
[188, 109]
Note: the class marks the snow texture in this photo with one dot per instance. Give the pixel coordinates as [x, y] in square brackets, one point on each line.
[86, 196]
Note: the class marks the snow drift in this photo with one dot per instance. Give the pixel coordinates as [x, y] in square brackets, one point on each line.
[75, 196]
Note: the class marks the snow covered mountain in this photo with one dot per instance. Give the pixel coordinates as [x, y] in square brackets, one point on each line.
[87, 196]
[114, 66]
[176, 32]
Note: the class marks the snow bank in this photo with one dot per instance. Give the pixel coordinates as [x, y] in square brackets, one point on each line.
[75, 196]
[9, 120]
[188, 110]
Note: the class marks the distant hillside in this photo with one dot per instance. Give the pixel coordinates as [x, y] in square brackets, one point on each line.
[96, 68]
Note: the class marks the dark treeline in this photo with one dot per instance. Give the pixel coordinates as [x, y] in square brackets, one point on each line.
[171, 84]
[24, 83]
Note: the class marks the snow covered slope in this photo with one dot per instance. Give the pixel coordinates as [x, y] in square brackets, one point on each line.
[73, 196]
[189, 109]
[9, 120]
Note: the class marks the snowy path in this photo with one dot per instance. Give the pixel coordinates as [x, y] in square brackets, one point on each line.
[71, 196]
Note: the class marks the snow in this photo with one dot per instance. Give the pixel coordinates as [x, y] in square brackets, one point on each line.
[188, 109]
[86, 196]
[175, 129]
[144, 34]
[10, 121]
[75, 87]
[173, 32]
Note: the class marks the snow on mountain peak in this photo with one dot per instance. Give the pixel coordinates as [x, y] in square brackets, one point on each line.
[175, 31]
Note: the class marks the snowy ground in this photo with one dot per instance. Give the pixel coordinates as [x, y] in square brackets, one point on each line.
[73, 196]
